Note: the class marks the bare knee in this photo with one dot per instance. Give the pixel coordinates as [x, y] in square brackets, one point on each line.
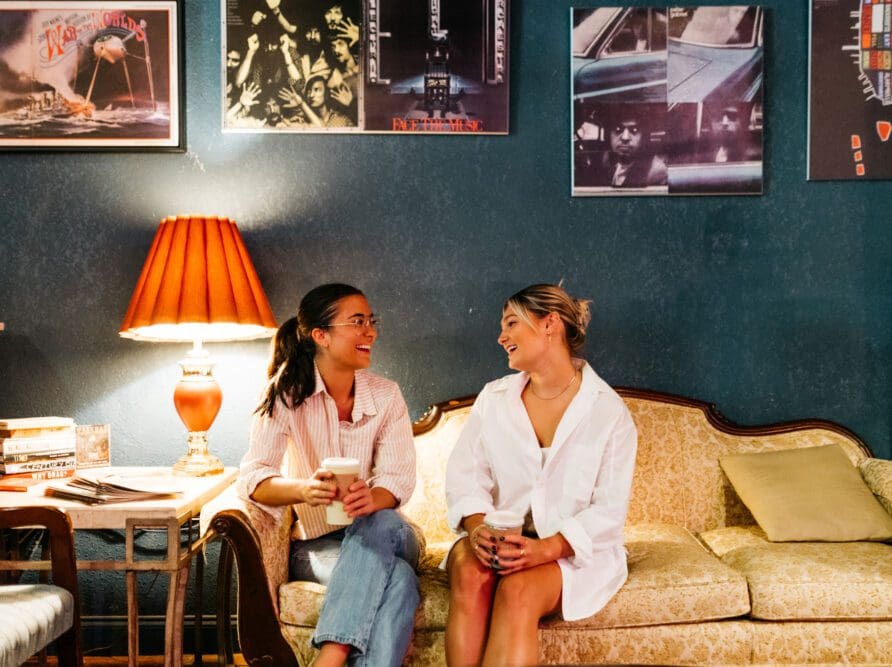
[469, 578]
[521, 595]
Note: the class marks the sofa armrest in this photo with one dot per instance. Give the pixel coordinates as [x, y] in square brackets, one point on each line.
[260, 545]
[877, 473]
[62, 565]
[273, 536]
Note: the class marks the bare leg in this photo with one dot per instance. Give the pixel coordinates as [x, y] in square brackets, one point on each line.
[471, 587]
[521, 600]
[332, 655]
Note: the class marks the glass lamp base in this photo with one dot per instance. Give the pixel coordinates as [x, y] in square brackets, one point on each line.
[199, 461]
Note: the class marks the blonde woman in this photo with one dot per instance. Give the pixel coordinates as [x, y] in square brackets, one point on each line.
[552, 443]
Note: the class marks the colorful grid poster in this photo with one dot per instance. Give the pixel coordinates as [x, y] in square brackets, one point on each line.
[850, 91]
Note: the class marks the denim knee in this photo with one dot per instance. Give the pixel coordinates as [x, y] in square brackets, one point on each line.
[383, 523]
[404, 582]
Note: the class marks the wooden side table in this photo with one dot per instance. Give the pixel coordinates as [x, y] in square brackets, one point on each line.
[171, 515]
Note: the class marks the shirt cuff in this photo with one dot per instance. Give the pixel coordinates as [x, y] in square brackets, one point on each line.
[401, 491]
[576, 536]
[466, 507]
[246, 485]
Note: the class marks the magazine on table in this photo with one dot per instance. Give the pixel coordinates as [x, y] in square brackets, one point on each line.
[113, 489]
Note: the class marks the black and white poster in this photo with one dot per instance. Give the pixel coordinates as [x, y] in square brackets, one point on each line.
[431, 66]
[667, 101]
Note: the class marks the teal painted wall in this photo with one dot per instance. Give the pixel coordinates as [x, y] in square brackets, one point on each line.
[776, 307]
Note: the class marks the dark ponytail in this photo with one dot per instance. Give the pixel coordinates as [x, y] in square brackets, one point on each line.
[291, 374]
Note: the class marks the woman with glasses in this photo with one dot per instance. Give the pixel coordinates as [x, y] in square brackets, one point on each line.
[321, 402]
[555, 446]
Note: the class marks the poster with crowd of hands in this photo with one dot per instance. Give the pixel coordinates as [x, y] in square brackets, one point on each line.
[667, 101]
[404, 66]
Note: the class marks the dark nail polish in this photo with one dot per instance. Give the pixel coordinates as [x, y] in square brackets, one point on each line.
[501, 538]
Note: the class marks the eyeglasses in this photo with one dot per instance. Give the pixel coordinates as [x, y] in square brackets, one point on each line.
[360, 323]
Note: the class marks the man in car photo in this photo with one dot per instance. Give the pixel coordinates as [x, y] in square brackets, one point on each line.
[629, 160]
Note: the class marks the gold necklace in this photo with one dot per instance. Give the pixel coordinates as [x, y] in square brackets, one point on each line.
[557, 395]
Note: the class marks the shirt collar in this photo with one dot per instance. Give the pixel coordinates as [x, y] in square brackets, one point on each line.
[591, 384]
[363, 399]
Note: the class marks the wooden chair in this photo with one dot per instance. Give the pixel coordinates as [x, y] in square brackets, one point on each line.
[34, 615]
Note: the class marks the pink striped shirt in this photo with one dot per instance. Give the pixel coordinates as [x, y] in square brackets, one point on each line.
[294, 442]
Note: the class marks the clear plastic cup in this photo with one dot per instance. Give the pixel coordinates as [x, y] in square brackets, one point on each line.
[504, 523]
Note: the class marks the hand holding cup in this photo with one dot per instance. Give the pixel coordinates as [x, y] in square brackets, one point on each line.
[320, 489]
[345, 472]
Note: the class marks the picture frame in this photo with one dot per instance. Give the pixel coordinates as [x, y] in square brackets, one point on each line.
[363, 67]
[645, 121]
[850, 90]
[86, 75]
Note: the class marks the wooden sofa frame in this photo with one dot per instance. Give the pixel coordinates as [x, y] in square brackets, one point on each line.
[260, 638]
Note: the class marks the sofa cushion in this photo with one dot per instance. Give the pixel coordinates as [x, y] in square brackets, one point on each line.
[672, 579]
[809, 580]
[31, 616]
[808, 495]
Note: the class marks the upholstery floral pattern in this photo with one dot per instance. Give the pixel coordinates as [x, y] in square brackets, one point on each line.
[877, 473]
[724, 540]
[718, 643]
[815, 643]
[275, 536]
[817, 580]
[695, 558]
[672, 579]
[677, 475]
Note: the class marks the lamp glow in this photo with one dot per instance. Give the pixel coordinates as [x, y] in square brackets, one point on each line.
[198, 284]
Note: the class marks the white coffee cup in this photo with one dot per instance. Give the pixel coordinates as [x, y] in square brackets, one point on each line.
[502, 522]
[345, 471]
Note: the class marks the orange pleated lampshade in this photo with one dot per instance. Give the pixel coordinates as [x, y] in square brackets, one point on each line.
[198, 283]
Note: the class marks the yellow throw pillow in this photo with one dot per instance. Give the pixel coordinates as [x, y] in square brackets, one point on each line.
[813, 494]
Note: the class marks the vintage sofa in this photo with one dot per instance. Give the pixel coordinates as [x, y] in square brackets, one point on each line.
[705, 586]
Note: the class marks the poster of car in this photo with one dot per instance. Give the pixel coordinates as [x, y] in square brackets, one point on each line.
[667, 101]
[433, 66]
[91, 75]
[850, 90]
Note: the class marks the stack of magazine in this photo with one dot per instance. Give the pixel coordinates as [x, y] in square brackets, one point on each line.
[99, 491]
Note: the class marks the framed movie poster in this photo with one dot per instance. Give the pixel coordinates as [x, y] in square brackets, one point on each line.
[91, 75]
[850, 90]
[667, 101]
[401, 66]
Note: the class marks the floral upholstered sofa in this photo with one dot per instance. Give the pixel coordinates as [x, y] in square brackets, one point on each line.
[705, 586]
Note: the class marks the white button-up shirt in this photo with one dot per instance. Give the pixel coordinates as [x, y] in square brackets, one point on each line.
[379, 435]
[581, 492]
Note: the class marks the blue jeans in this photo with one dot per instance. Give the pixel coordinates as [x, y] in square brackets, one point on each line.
[369, 569]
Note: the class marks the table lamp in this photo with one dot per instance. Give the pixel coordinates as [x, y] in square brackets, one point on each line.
[198, 284]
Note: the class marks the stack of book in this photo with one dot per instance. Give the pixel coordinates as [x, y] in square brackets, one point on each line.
[37, 448]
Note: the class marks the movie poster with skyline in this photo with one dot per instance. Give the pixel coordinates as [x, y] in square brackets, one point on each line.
[850, 90]
[90, 75]
[433, 66]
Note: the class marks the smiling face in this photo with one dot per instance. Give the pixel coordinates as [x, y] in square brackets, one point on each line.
[525, 344]
[345, 344]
